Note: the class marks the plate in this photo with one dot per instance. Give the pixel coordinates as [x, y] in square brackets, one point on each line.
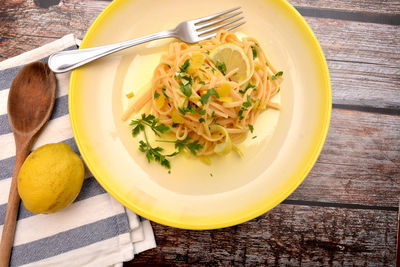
[196, 196]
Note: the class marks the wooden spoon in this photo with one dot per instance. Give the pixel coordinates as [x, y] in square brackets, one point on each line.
[30, 102]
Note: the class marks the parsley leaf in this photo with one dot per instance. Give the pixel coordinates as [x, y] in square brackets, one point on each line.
[207, 52]
[187, 78]
[204, 98]
[254, 50]
[202, 82]
[248, 102]
[280, 73]
[151, 121]
[156, 94]
[251, 128]
[240, 113]
[185, 65]
[180, 145]
[186, 89]
[164, 90]
[191, 109]
[202, 120]
[221, 66]
[273, 77]
[152, 153]
[249, 85]
[194, 146]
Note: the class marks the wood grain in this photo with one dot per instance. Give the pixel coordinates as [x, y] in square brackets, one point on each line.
[360, 161]
[363, 58]
[24, 25]
[287, 235]
[358, 166]
[385, 6]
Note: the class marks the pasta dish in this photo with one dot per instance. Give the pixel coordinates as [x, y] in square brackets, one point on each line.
[208, 94]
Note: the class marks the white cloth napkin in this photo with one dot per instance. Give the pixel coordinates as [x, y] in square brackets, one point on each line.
[96, 230]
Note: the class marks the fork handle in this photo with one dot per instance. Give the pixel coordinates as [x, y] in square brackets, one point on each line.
[67, 60]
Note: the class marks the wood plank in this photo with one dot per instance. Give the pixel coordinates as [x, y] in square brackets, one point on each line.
[387, 6]
[363, 58]
[287, 235]
[360, 161]
[25, 26]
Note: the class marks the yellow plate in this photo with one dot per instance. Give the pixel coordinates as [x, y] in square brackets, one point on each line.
[275, 162]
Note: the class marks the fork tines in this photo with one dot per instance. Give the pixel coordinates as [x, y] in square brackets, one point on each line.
[207, 27]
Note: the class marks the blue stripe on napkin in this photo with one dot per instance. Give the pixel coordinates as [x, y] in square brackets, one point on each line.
[69, 240]
[90, 188]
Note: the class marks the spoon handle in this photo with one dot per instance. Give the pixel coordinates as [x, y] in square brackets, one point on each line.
[10, 221]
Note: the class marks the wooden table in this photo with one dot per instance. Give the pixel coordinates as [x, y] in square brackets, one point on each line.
[346, 211]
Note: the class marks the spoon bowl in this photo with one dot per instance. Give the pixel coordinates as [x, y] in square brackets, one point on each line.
[31, 98]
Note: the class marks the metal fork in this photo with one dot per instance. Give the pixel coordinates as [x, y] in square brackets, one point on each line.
[190, 31]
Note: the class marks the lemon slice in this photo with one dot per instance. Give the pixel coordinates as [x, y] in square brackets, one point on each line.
[225, 147]
[233, 57]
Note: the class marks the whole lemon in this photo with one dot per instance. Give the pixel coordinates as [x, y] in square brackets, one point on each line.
[50, 178]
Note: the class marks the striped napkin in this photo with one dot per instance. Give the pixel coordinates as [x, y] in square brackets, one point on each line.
[95, 230]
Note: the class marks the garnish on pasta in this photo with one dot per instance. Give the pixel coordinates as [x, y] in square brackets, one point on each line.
[208, 95]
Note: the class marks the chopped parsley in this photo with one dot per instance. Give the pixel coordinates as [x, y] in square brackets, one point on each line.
[274, 77]
[202, 120]
[186, 89]
[207, 52]
[221, 66]
[202, 82]
[164, 90]
[249, 85]
[205, 97]
[156, 94]
[211, 174]
[244, 107]
[251, 128]
[188, 79]
[240, 113]
[254, 137]
[248, 102]
[191, 109]
[279, 89]
[254, 50]
[185, 65]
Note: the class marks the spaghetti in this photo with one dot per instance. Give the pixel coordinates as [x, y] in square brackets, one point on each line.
[199, 98]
